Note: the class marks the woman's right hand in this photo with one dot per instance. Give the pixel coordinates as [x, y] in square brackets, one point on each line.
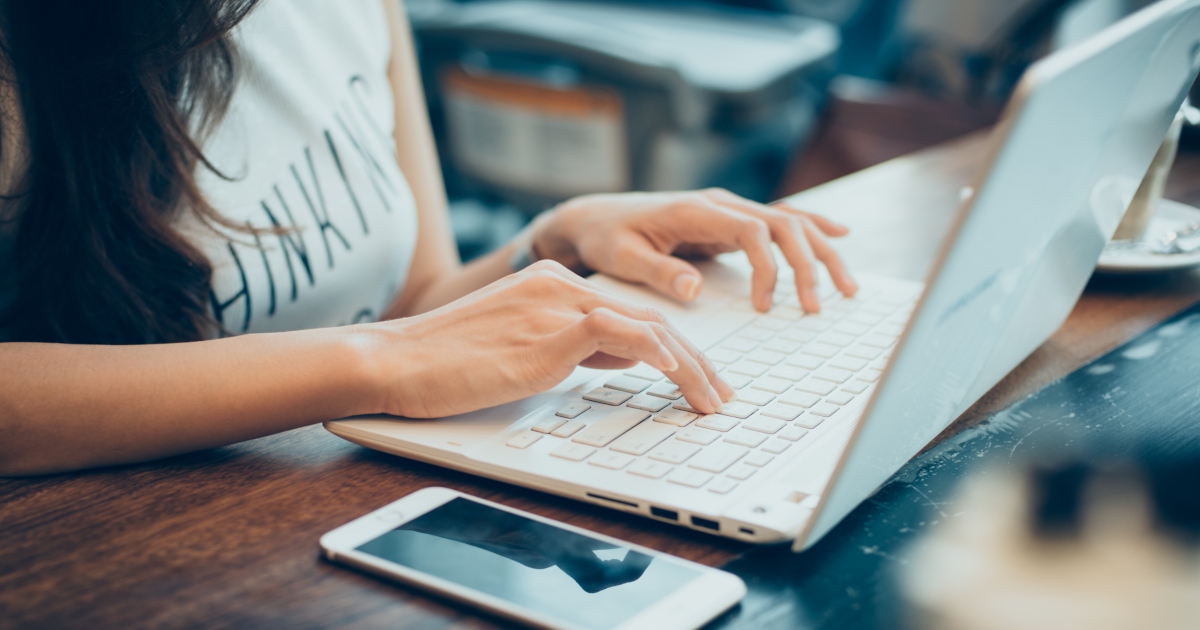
[523, 335]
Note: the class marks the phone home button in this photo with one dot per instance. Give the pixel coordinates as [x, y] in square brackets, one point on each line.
[390, 516]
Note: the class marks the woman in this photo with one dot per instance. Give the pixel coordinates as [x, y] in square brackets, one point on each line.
[225, 220]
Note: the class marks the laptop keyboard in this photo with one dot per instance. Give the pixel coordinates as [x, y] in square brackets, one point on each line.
[793, 372]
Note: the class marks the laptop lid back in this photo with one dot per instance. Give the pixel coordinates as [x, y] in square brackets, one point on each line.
[1074, 143]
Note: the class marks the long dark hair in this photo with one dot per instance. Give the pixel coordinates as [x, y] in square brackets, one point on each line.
[116, 96]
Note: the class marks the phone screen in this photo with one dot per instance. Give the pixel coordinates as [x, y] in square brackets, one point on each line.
[575, 578]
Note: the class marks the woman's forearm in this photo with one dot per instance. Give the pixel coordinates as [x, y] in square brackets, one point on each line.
[64, 407]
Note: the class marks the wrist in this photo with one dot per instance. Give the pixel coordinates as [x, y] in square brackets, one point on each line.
[552, 237]
[358, 368]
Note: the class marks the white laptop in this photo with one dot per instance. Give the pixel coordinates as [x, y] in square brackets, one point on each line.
[831, 405]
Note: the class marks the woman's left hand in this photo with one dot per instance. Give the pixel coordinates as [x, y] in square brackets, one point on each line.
[643, 237]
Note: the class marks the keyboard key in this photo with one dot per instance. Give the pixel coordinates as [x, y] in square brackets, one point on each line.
[833, 375]
[640, 439]
[523, 440]
[755, 397]
[822, 350]
[717, 457]
[739, 344]
[666, 390]
[894, 330]
[879, 341]
[573, 452]
[610, 460]
[789, 373]
[847, 328]
[755, 334]
[546, 425]
[610, 427]
[717, 423]
[812, 324]
[806, 361]
[642, 370]
[741, 472]
[839, 398]
[771, 324]
[720, 355]
[647, 468]
[824, 409]
[758, 458]
[748, 368]
[742, 437]
[879, 364]
[782, 411]
[736, 381]
[809, 421]
[798, 335]
[573, 410]
[836, 339]
[683, 405]
[607, 396]
[844, 362]
[772, 384]
[648, 403]
[690, 478]
[800, 399]
[768, 357]
[571, 427]
[865, 317]
[737, 410]
[856, 387]
[722, 486]
[786, 347]
[674, 452]
[776, 446]
[627, 384]
[698, 436]
[764, 425]
[793, 433]
[863, 352]
[869, 375]
[815, 386]
[676, 417]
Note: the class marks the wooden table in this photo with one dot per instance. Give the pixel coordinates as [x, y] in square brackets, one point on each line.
[228, 537]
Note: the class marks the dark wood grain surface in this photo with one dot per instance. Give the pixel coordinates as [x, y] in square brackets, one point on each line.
[228, 537]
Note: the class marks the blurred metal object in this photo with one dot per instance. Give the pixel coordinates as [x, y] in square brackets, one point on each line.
[535, 102]
[1180, 241]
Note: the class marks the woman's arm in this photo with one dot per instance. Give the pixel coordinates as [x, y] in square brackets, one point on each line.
[74, 406]
[437, 275]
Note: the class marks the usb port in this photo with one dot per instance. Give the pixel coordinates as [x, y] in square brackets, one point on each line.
[706, 523]
[661, 513]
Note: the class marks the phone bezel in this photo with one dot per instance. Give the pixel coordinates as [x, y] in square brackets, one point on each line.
[712, 591]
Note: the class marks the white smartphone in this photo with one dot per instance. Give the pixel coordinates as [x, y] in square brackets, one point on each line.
[528, 568]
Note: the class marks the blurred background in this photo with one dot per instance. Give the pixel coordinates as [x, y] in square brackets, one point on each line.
[536, 101]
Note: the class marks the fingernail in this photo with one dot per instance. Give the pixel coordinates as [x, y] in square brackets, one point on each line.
[667, 360]
[687, 286]
[732, 398]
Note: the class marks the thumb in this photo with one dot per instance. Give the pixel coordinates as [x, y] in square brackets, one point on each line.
[671, 276]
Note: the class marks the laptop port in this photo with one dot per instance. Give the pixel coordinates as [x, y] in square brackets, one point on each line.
[746, 530]
[706, 523]
[612, 500]
[670, 515]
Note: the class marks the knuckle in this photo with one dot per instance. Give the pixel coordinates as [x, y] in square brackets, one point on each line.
[547, 266]
[756, 228]
[654, 316]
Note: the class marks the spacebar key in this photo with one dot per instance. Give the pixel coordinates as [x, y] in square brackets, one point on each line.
[609, 427]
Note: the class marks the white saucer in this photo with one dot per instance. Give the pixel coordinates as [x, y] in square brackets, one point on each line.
[1124, 259]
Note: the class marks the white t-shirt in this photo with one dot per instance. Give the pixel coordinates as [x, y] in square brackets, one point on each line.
[308, 142]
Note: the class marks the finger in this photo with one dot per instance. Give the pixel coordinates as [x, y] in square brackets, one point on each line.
[637, 260]
[605, 331]
[700, 219]
[691, 378]
[828, 226]
[788, 232]
[832, 261]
